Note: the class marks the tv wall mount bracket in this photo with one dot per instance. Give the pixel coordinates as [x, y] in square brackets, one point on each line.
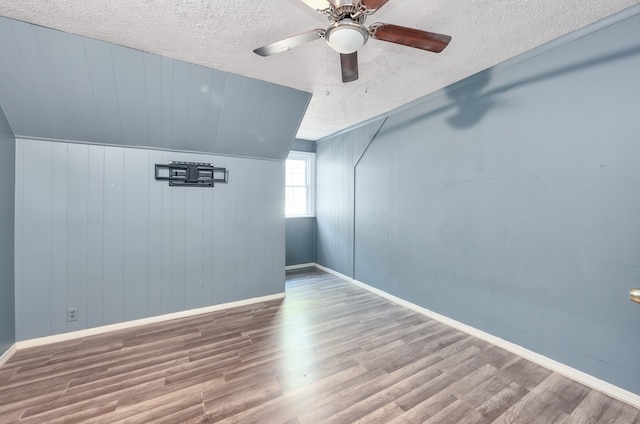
[191, 174]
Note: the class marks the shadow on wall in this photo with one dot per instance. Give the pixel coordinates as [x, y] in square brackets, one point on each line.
[471, 104]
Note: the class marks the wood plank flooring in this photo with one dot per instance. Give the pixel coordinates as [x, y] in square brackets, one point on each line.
[328, 353]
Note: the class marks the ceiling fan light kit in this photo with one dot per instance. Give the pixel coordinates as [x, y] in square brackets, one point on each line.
[346, 33]
[346, 36]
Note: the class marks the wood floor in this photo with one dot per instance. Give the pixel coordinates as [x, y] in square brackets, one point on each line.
[329, 352]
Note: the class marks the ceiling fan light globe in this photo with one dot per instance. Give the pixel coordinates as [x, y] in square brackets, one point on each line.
[346, 37]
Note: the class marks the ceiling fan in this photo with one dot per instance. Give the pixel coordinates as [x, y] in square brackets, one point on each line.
[347, 33]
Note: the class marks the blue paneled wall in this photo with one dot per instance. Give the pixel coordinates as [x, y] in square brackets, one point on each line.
[92, 91]
[336, 158]
[509, 202]
[96, 231]
[7, 185]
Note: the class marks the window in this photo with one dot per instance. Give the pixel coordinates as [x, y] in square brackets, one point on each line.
[300, 184]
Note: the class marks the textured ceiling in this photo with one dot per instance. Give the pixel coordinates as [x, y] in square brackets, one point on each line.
[222, 35]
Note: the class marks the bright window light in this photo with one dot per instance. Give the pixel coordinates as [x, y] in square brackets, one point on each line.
[300, 184]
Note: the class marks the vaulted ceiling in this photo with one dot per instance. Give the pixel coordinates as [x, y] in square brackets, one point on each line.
[222, 35]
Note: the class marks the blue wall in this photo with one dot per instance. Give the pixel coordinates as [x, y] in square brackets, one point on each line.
[300, 241]
[335, 160]
[88, 90]
[510, 201]
[7, 190]
[303, 146]
[96, 231]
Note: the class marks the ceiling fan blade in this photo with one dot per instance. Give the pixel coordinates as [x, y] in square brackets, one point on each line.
[424, 40]
[374, 4]
[289, 43]
[317, 4]
[349, 66]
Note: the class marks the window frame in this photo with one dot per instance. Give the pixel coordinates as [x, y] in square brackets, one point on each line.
[310, 160]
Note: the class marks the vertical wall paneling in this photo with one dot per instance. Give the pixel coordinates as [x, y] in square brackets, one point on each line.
[166, 230]
[221, 259]
[231, 95]
[181, 102]
[154, 99]
[271, 119]
[240, 233]
[201, 81]
[85, 117]
[12, 93]
[77, 229]
[7, 225]
[58, 81]
[113, 236]
[96, 265]
[18, 235]
[207, 266]
[136, 233]
[253, 132]
[101, 70]
[193, 249]
[269, 116]
[216, 103]
[156, 239]
[300, 241]
[34, 287]
[59, 236]
[336, 159]
[244, 104]
[117, 244]
[516, 212]
[178, 242]
[128, 72]
[263, 252]
[33, 82]
[273, 201]
[167, 98]
[87, 90]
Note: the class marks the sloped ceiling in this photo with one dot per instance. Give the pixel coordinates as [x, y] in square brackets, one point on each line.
[56, 85]
[222, 35]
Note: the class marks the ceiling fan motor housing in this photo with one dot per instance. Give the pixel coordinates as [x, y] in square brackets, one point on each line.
[346, 9]
[342, 3]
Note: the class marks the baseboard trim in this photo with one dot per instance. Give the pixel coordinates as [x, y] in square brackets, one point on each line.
[40, 341]
[565, 370]
[300, 266]
[8, 354]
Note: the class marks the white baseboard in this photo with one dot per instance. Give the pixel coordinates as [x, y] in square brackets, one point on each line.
[8, 354]
[565, 370]
[136, 323]
[300, 266]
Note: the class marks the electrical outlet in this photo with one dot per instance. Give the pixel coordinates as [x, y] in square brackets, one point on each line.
[72, 314]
